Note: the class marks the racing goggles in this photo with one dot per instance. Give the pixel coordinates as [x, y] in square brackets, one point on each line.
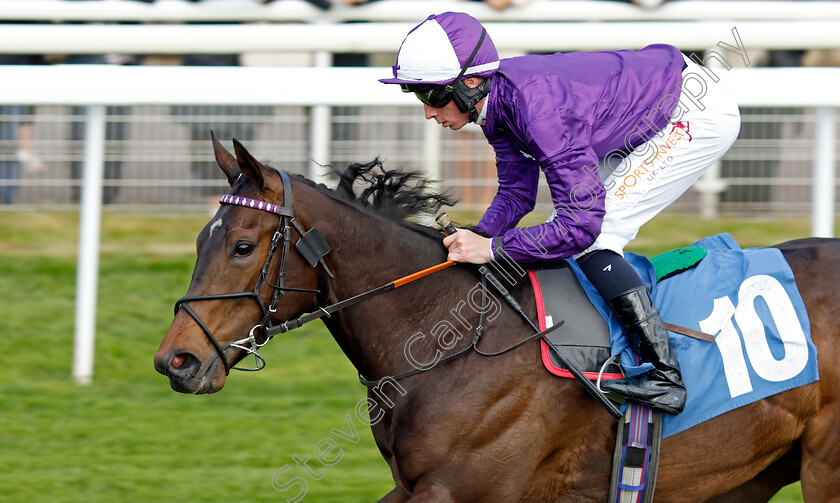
[432, 95]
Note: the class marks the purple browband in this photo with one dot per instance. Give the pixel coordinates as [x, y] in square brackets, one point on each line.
[250, 203]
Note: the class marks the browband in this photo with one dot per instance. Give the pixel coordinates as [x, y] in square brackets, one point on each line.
[285, 210]
[251, 203]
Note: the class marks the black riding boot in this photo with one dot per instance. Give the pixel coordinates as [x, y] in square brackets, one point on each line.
[662, 387]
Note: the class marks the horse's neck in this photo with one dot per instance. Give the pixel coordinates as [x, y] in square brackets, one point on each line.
[368, 252]
[374, 252]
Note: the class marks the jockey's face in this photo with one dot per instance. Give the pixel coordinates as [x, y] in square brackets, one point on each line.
[447, 116]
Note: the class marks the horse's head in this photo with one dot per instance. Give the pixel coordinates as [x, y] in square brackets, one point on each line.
[246, 278]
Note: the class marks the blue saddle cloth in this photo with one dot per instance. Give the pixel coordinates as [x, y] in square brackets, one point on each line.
[747, 299]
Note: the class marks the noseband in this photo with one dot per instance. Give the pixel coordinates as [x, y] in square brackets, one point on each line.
[312, 246]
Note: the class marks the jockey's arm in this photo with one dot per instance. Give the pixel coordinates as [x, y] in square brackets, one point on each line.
[563, 149]
[516, 196]
[517, 193]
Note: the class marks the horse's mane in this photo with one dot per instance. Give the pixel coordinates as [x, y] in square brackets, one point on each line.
[399, 196]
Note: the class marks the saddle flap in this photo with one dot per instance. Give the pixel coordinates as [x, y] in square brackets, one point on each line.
[584, 336]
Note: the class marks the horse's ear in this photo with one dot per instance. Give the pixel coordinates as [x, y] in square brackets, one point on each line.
[224, 159]
[248, 165]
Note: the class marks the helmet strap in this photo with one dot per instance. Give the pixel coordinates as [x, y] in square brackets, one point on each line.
[467, 97]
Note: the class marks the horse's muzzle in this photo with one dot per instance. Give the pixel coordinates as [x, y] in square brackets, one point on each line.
[187, 374]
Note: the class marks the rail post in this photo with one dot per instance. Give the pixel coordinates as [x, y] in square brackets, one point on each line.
[90, 218]
[822, 210]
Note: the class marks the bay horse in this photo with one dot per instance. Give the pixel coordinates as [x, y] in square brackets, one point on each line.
[473, 429]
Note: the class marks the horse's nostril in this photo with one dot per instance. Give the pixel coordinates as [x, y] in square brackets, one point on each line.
[184, 365]
[178, 360]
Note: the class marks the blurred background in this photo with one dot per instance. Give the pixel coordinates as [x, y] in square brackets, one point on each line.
[107, 176]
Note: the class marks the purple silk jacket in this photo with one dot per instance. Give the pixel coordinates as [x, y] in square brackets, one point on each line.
[561, 113]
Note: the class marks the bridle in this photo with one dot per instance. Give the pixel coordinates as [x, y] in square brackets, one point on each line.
[312, 246]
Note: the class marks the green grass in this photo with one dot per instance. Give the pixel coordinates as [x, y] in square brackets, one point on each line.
[128, 437]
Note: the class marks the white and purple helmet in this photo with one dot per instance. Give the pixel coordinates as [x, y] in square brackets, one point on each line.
[436, 51]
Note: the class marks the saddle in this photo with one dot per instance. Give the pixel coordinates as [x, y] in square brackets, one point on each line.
[584, 336]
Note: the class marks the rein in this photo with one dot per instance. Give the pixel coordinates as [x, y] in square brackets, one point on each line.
[290, 325]
[313, 247]
[472, 347]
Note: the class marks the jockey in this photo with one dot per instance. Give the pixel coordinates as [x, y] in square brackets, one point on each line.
[653, 118]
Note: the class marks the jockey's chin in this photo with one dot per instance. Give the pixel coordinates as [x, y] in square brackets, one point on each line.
[454, 125]
[448, 116]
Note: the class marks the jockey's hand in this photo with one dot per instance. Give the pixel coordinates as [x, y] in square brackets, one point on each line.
[467, 246]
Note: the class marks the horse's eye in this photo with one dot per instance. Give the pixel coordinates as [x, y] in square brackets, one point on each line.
[243, 249]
